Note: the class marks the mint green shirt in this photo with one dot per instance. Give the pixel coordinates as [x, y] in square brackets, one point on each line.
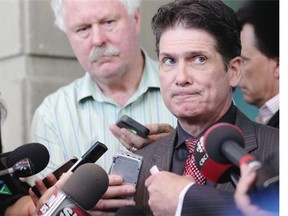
[72, 119]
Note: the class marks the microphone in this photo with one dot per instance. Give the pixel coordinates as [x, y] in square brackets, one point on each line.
[11, 188]
[210, 169]
[129, 210]
[224, 143]
[90, 156]
[80, 192]
[35, 152]
[23, 168]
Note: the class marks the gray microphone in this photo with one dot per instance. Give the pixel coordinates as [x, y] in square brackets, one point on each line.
[80, 192]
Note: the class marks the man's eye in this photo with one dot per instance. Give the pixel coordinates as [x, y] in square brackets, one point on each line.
[200, 59]
[168, 61]
[83, 32]
[83, 29]
[110, 22]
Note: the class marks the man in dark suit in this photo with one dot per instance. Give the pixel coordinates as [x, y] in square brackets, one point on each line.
[198, 46]
[260, 58]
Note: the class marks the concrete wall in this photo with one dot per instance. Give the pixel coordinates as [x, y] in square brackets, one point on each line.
[36, 59]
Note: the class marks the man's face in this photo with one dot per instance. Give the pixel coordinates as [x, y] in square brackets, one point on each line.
[193, 80]
[259, 72]
[103, 36]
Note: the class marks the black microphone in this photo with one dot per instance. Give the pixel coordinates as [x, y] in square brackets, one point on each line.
[224, 143]
[35, 152]
[129, 210]
[23, 168]
[11, 188]
[80, 192]
[210, 169]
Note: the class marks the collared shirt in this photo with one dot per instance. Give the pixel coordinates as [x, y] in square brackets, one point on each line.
[268, 110]
[72, 119]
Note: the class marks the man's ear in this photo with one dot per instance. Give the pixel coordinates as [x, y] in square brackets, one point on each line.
[137, 17]
[276, 68]
[234, 70]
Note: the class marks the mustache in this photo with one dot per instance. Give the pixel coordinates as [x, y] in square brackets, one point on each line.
[106, 50]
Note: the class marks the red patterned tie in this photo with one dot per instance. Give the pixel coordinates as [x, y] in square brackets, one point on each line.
[190, 167]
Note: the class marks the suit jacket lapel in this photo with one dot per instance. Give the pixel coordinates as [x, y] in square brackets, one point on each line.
[248, 131]
[164, 152]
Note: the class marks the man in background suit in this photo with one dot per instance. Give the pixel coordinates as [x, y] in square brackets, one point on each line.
[198, 46]
[260, 58]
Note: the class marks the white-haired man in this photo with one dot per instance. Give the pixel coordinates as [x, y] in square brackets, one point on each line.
[120, 79]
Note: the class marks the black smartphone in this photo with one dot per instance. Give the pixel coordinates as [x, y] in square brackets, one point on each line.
[91, 156]
[132, 125]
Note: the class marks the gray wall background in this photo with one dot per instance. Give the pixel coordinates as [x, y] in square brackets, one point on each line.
[36, 59]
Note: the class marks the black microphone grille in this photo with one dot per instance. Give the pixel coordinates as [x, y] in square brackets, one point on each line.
[87, 185]
[218, 134]
[36, 152]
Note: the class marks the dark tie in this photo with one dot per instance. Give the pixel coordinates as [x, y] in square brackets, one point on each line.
[190, 166]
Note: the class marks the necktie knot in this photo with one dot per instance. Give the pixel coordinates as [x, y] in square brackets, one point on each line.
[190, 166]
[190, 144]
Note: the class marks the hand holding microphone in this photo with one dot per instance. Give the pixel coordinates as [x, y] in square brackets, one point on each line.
[81, 191]
[224, 144]
[90, 156]
[241, 196]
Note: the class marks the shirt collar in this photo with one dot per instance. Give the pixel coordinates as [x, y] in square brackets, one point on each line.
[272, 104]
[268, 110]
[182, 135]
[87, 88]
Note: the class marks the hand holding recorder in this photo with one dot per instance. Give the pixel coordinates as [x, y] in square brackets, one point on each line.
[134, 135]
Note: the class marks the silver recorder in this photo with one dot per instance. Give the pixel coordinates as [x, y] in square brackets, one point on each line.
[127, 165]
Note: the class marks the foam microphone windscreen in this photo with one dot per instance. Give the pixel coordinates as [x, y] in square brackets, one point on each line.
[36, 152]
[217, 135]
[210, 169]
[87, 185]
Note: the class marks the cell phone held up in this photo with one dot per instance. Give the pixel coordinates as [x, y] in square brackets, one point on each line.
[132, 125]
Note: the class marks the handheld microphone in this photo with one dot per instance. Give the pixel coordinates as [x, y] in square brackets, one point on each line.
[11, 187]
[80, 192]
[224, 143]
[36, 152]
[210, 169]
[23, 168]
[91, 156]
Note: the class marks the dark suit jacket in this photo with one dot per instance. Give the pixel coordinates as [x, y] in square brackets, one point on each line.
[260, 140]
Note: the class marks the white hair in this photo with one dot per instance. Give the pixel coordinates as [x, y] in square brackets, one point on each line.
[57, 6]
